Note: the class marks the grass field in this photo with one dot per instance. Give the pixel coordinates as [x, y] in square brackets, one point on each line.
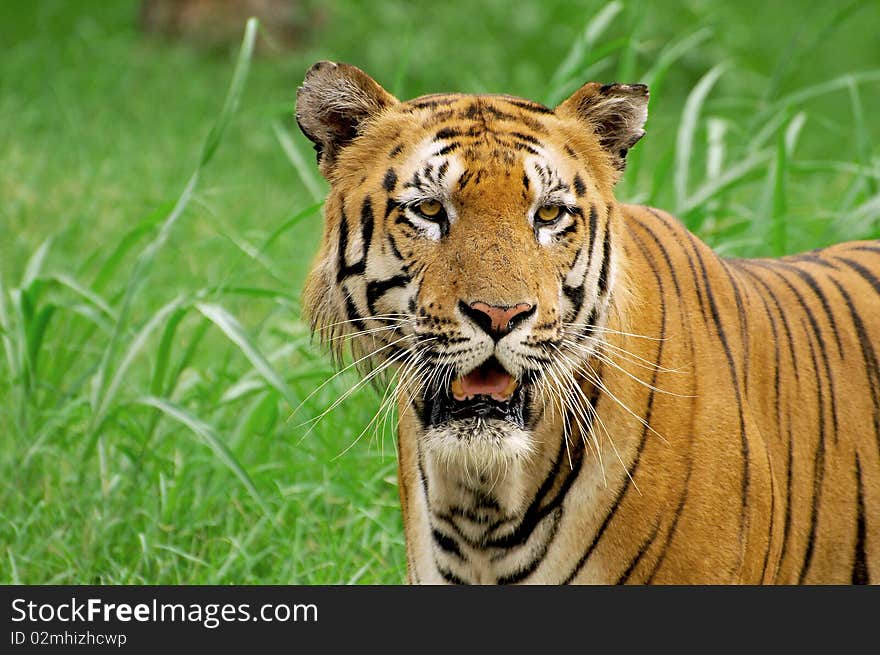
[159, 210]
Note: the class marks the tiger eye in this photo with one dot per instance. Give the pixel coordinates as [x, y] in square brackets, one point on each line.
[430, 208]
[548, 213]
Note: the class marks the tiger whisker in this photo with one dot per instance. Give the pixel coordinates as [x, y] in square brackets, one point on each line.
[636, 359]
[411, 355]
[607, 359]
[612, 331]
[358, 385]
[595, 414]
[594, 378]
[588, 436]
[360, 333]
[343, 370]
[407, 318]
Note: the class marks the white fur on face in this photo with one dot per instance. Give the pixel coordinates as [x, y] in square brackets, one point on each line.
[428, 154]
[545, 193]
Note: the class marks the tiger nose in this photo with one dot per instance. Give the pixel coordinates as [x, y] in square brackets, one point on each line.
[497, 320]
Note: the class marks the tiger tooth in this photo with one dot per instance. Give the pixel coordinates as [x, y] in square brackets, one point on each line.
[511, 387]
[508, 391]
[457, 390]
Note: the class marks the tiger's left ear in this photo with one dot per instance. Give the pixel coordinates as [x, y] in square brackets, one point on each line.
[616, 113]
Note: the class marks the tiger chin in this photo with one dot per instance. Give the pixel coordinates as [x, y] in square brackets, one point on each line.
[586, 392]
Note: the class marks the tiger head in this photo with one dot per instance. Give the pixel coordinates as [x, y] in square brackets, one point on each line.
[469, 245]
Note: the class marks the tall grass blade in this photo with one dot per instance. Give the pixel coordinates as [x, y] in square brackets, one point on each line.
[580, 51]
[36, 331]
[304, 169]
[669, 55]
[211, 439]
[34, 266]
[734, 175]
[861, 132]
[134, 348]
[797, 98]
[108, 270]
[6, 334]
[687, 132]
[779, 229]
[144, 262]
[236, 333]
[84, 292]
[290, 223]
[236, 89]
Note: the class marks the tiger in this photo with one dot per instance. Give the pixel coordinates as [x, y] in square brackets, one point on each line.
[585, 391]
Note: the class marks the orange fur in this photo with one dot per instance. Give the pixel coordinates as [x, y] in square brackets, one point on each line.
[725, 425]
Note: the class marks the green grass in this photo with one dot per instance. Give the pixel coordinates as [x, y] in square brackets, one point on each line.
[159, 211]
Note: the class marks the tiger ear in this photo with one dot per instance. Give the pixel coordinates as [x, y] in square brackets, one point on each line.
[333, 104]
[616, 113]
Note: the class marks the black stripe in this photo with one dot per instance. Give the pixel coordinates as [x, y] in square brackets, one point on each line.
[624, 577]
[390, 205]
[525, 571]
[517, 145]
[580, 189]
[860, 573]
[874, 249]
[663, 251]
[770, 293]
[528, 105]
[568, 229]
[446, 543]
[576, 296]
[448, 148]
[869, 357]
[820, 341]
[741, 316]
[862, 271]
[378, 288]
[693, 270]
[633, 468]
[778, 402]
[679, 510]
[357, 268]
[818, 467]
[592, 226]
[528, 138]
[353, 314]
[447, 133]
[814, 286]
[432, 102]
[449, 576]
[538, 510]
[604, 270]
[731, 365]
[811, 257]
[390, 180]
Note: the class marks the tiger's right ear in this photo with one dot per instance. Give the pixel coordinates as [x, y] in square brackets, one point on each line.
[333, 104]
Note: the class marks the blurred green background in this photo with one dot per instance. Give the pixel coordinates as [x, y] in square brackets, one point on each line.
[149, 375]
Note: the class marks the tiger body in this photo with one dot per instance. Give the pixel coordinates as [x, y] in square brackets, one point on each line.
[586, 392]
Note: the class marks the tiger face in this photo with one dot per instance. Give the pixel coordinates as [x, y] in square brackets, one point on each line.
[469, 244]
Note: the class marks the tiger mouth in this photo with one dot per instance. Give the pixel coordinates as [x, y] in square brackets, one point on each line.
[487, 392]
